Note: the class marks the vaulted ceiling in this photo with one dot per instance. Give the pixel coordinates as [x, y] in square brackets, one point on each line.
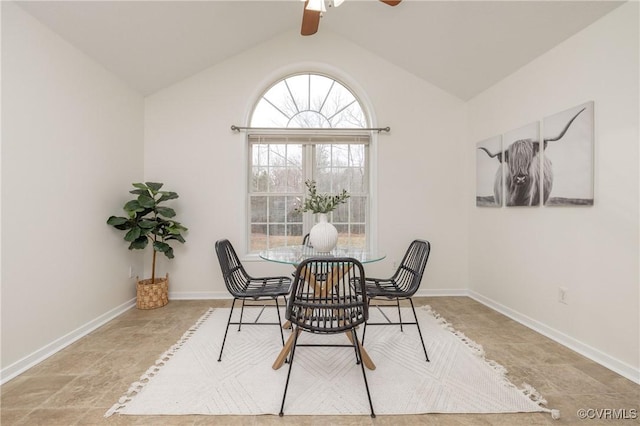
[463, 47]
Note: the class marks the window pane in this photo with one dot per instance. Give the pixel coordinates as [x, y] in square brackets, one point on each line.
[343, 234]
[341, 214]
[259, 179]
[267, 115]
[279, 179]
[357, 183]
[358, 209]
[358, 237]
[276, 209]
[294, 232]
[340, 156]
[293, 216]
[258, 209]
[349, 117]
[258, 239]
[277, 236]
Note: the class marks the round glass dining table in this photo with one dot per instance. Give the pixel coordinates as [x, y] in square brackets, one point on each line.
[293, 255]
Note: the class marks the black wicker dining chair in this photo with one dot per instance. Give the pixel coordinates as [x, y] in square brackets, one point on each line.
[401, 286]
[243, 286]
[335, 305]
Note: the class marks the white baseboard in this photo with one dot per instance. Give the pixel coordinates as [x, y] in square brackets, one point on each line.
[225, 295]
[203, 295]
[593, 354]
[434, 292]
[57, 345]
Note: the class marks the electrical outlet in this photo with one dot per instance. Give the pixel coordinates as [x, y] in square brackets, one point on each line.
[563, 295]
[131, 271]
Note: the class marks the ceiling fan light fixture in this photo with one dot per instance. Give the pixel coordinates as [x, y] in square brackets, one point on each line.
[317, 5]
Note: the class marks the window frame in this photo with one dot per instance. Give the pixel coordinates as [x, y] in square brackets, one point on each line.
[308, 141]
[370, 172]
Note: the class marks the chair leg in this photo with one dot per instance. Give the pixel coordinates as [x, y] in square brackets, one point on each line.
[279, 321]
[227, 329]
[358, 360]
[241, 313]
[364, 331]
[286, 385]
[419, 332]
[399, 314]
[364, 375]
[364, 327]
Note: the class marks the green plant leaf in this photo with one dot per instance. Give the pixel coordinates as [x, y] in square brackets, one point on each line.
[147, 223]
[116, 220]
[141, 214]
[140, 186]
[176, 228]
[176, 237]
[166, 211]
[167, 195]
[121, 223]
[144, 232]
[154, 186]
[160, 246]
[133, 234]
[138, 191]
[146, 201]
[139, 243]
[133, 206]
[169, 253]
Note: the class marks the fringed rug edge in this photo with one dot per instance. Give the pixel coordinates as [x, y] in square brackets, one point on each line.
[138, 385]
[478, 350]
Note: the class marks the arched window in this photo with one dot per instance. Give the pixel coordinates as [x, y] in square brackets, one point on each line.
[308, 101]
[307, 126]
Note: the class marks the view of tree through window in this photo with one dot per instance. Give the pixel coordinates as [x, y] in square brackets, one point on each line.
[296, 150]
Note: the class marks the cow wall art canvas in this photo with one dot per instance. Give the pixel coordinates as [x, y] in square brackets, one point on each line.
[521, 166]
[488, 175]
[569, 147]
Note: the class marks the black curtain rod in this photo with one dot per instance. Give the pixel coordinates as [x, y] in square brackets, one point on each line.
[377, 129]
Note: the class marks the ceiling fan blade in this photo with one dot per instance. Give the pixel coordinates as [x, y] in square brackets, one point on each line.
[310, 21]
[391, 2]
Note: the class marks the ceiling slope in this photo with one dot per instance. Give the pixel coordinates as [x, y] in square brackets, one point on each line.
[463, 47]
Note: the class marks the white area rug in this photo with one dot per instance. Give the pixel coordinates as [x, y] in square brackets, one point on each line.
[188, 379]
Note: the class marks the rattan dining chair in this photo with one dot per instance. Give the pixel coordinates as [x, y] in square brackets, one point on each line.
[335, 305]
[243, 286]
[402, 285]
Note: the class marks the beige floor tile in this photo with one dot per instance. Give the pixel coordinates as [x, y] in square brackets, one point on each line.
[32, 391]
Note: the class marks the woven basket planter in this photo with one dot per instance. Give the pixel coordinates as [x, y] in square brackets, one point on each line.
[151, 295]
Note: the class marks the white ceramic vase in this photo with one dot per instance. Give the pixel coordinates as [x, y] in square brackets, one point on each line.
[323, 237]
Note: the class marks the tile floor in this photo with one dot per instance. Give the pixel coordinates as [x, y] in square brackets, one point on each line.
[77, 385]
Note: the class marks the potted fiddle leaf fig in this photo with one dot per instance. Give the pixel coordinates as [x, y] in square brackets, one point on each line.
[148, 220]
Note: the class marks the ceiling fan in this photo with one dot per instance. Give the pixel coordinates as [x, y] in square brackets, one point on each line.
[313, 11]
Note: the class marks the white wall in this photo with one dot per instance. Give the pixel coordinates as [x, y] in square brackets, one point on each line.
[519, 257]
[190, 147]
[71, 146]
